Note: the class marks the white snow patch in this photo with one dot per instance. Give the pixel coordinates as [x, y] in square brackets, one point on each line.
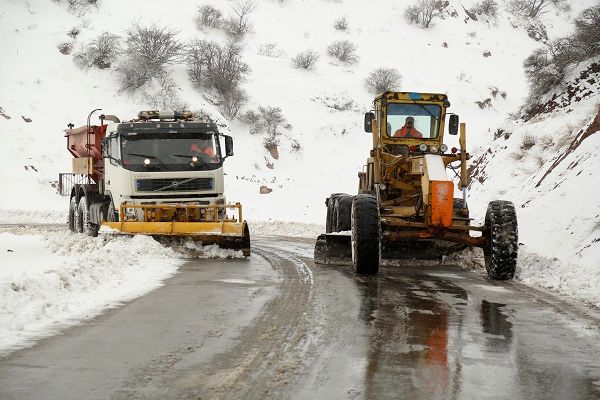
[281, 228]
[497, 289]
[55, 279]
[14, 216]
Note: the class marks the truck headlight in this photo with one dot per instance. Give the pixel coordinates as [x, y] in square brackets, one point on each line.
[444, 148]
[423, 147]
[433, 148]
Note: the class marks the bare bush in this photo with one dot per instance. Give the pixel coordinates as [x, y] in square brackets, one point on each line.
[527, 142]
[541, 72]
[148, 50]
[587, 34]
[209, 17]
[100, 52]
[73, 32]
[162, 93]
[535, 8]
[266, 120]
[343, 50]
[486, 8]
[341, 24]
[231, 102]
[213, 66]
[305, 59]
[65, 48]
[383, 79]
[270, 50]
[154, 45]
[421, 13]
[80, 7]
[238, 22]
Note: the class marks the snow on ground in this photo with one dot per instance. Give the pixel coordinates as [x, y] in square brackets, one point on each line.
[282, 228]
[54, 278]
[17, 216]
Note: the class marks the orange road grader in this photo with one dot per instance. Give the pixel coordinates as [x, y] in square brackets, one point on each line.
[160, 174]
[405, 207]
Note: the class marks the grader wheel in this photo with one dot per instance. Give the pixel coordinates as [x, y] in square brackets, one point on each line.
[366, 235]
[501, 231]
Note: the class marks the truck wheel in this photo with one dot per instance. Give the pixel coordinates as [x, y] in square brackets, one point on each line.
[72, 214]
[330, 221]
[343, 213]
[87, 227]
[502, 240]
[366, 235]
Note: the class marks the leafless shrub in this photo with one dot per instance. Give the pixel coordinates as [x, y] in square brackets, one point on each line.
[270, 50]
[343, 50]
[527, 142]
[539, 160]
[383, 79]
[587, 34]
[518, 156]
[421, 13]
[535, 8]
[238, 22]
[219, 67]
[542, 73]
[231, 102]
[65, 48]
[341, 24]
[73, 32]
[80, 7]
[296, 146]
[148, 50]
[162, 93]
[546, 142]
[267, 120]
[487, 103]
[155, 45]
[209, 17]
[486, 8]
[100, 52]
[305, 59]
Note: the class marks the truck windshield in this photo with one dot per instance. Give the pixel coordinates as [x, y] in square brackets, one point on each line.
[413, 120]
[170, 151]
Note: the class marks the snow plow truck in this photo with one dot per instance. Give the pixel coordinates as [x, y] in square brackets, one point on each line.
[160, 174]
[405, 207]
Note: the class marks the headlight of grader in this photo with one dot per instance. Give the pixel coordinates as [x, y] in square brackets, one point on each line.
[130, 214]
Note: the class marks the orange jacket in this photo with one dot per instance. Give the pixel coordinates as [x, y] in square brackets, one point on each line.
[405, 131]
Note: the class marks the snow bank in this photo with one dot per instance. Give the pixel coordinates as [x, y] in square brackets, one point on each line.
[53, 279]
[281, 228]
[33, 216]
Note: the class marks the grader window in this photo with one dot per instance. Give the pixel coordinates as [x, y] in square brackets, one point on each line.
[413, 120]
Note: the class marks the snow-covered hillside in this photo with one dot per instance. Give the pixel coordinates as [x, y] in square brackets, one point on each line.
[41, 90]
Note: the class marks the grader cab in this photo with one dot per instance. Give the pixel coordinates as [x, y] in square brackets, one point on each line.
[406, 205]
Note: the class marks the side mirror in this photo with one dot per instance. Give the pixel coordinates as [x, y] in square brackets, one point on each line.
[453, 124]
[228, 146]
[369, 117]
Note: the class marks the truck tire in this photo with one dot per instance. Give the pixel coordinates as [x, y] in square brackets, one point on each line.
[343, 212]
[330, 220]
[72, 213]
[87, 227]
[502, 240]
[366, 235]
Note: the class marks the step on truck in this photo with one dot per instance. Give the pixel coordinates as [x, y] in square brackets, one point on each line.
[405, 207]
[160, 174]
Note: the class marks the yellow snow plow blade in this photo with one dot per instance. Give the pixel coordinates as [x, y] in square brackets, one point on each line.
[207, 224]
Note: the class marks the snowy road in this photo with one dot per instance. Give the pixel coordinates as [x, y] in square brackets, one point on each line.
[277, 326]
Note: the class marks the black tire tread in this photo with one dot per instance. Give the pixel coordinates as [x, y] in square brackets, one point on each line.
[366, 233]
[502, 245]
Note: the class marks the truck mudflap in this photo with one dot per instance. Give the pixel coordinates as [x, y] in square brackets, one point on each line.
[205, 224]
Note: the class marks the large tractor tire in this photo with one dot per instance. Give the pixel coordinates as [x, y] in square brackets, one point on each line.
[87, 227]
[343, 212]
[72, 214]
[329, 218]
[366, 235]
[502, 240]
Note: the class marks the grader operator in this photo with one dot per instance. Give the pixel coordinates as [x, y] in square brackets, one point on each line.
[405, 206]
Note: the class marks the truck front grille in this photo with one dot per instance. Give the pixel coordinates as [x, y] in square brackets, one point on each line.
[173, 185]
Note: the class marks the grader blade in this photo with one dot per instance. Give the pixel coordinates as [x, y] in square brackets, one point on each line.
[333, 249]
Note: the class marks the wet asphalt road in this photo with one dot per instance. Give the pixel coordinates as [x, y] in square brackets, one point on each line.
[277, 326]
